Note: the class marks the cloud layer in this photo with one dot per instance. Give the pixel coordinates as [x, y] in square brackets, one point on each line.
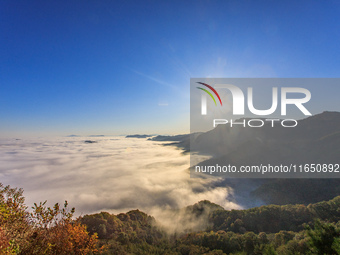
[113, 174]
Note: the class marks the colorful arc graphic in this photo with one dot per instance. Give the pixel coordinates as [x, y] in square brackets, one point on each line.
[213, 90]
[208, 93]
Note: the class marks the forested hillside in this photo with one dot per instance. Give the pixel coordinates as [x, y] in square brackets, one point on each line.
[272, 229]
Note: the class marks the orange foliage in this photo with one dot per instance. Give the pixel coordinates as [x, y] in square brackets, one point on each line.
[4, 242]
[64, 238]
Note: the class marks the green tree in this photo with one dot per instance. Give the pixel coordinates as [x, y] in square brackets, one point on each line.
[324, 238]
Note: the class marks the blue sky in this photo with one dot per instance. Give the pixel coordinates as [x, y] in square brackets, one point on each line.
[121, 67]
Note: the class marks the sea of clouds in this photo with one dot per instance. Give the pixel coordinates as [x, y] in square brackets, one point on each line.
[114, 174]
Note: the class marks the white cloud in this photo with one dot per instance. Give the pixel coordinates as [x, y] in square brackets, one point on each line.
[115, 174]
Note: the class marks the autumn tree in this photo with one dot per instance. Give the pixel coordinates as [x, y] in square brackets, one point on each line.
[45, 230]
[14, 220]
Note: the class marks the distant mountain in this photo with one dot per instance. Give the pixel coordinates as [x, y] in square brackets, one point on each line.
[315, 139]
[322, 129]
[90, 141]
[181, 141]
[319, 130]
[138, 136]
[169, 138]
